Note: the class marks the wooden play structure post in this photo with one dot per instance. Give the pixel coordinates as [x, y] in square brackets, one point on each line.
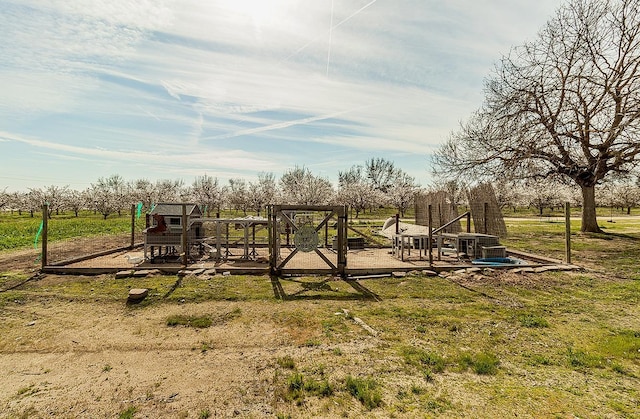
[281, 216]
[342, 239]
[326, 233]
[45, 227]
[567, 223]
[270, 234]
[185, 250]
[219, 239]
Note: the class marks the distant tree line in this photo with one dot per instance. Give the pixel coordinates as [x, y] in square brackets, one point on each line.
[376, 183]
[623, 194]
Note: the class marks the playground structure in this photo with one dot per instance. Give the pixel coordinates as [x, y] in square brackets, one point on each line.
[297, 240]
[167, 234]
[179, 231]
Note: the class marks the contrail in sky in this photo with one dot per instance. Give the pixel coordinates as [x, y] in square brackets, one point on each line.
[302, 48]
[355, 13]
[281, 125]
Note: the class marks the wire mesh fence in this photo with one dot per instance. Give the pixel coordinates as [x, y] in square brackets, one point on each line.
[291, 239]
[69, 238]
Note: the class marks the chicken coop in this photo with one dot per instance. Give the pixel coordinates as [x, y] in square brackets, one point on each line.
[171, 232]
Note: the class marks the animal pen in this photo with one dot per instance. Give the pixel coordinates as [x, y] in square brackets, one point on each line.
[290, 240]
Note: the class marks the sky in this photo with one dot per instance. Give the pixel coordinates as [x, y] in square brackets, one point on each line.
[175, 89]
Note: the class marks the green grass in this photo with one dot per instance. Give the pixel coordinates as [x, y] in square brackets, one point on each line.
[580, 359]
[106, 288]
[128, 413]
[366, 390]
[430, 361]
[485, 363]
[286, 362]
[616, 251]
[297, 387]
[197, 322]
[19, 231]
[532, 320]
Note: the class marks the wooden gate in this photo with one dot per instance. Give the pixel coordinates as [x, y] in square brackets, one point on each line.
[307, 239]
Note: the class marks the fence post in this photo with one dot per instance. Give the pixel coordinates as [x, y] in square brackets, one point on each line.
[567, 223]
[484, 216]
[430, 241]
[271, 245]
[133, 225]
[45, 228]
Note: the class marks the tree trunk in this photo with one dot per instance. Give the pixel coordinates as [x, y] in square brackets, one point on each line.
[589, 220]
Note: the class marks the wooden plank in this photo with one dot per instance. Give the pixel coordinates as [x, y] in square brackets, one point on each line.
[326, 260]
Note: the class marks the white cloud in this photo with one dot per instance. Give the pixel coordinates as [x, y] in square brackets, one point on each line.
[189, 85]
[192, 158]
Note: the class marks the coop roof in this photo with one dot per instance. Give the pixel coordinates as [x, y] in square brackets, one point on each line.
[389, 228]
[175, 209]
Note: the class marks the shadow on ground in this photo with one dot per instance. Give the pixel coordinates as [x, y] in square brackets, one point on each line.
[310, 289]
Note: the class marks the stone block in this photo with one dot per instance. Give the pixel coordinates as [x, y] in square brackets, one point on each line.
[137, 294]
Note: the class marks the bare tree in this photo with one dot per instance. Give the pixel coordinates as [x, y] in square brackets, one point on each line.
[544, 194]
[207, 192]
[55, 197]
[5, 198]
[77, 200]
[145, 191]
[108, 195]
[381, 173]
[262, 192]
[238, 195]
[619, 194]
[566, 105]
[300, 186]
[355, 190]
[402, 192]
[170, 190]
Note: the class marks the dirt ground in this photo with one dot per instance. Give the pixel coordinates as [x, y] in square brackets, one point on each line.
[97, 359]
[90, 360]
[22, 260]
